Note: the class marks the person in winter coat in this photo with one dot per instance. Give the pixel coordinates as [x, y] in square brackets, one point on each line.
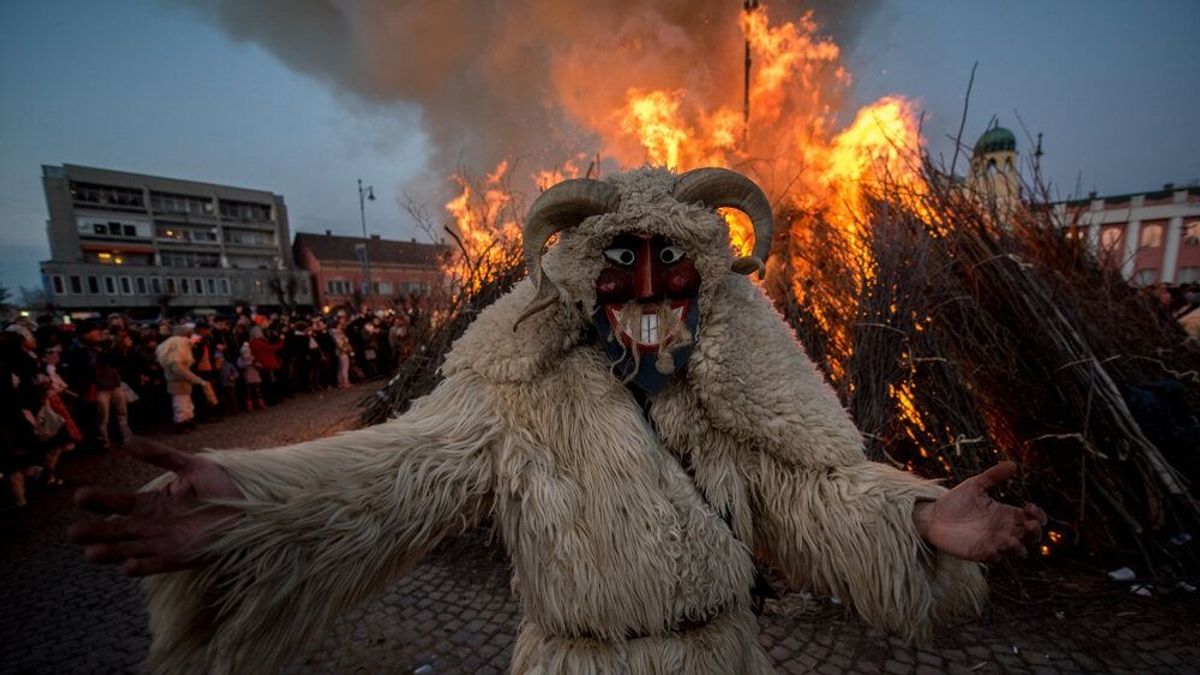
[252, 378]
[175, 356]
[20, 401]
[227, 377]
[639, 423]
[266, 357]
[345, 352]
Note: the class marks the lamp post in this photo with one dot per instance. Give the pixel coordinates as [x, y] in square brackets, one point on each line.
[365, 193]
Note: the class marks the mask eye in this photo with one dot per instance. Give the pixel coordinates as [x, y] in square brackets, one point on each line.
[621, 256]
[670, 255]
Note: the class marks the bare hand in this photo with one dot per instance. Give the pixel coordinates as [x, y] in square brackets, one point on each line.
[162, 530]
[966, 523]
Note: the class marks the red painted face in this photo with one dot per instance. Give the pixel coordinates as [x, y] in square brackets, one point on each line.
[649, 272]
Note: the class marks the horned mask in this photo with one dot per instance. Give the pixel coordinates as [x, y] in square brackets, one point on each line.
[646, 294]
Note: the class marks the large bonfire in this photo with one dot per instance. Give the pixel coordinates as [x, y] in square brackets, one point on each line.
[957, 331]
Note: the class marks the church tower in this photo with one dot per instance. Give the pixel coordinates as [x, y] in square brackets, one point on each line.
[994, 177]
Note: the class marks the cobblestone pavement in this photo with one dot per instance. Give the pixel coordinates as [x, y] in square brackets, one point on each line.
[455, 613]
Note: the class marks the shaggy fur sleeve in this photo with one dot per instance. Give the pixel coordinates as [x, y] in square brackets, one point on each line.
[848, 531]
[324, 525]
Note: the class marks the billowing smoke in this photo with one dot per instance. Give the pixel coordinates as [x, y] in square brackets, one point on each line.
[526, 79]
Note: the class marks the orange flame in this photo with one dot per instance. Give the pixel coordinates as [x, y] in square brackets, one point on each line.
[485, 227]
[788, 142]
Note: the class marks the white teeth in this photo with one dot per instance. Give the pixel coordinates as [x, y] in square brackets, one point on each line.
[649, 329]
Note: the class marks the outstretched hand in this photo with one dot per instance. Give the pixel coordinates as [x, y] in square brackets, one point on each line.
[967, 523]
[161, 530]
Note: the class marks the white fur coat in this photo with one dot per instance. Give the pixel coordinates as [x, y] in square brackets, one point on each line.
[614, 547]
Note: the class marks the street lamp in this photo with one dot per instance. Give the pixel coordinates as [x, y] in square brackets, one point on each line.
[365, 193]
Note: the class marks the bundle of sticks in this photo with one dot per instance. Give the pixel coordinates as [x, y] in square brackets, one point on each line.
[960, 330]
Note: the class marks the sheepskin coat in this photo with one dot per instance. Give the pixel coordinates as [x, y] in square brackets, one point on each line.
[175, 356]
[623, 560]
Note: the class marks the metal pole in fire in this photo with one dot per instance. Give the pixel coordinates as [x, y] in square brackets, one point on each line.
[363, 195]
[748, 6]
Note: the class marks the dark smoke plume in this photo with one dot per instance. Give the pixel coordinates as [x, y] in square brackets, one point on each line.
[514, 78]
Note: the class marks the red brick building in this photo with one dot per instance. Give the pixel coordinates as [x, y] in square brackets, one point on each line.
[398, 268]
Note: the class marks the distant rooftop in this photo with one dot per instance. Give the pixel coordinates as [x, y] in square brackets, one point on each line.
[118, 177]
[1116, 200]
[337, 248]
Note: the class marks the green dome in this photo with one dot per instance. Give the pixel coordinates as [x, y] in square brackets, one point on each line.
[996, 139]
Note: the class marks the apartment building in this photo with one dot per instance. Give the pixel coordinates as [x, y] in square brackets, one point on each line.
[123, 241]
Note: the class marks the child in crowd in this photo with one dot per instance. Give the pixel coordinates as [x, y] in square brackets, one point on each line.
[252, 378]
[227, 377]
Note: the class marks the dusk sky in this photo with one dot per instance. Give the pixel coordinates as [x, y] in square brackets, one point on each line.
[160, 88]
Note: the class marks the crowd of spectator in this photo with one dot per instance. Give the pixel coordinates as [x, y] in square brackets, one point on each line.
[86, 385]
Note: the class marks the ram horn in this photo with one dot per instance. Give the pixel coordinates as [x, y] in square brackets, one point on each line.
[717, 187]
[565, 205]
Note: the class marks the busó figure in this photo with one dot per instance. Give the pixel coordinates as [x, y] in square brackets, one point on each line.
[639, 423]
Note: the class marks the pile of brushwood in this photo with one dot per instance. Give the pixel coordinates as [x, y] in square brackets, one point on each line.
[960, 332]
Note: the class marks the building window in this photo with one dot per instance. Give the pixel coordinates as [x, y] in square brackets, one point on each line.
[156, 285]
[224, 286]
[1188, 275]
[185, 286]
[126, 286]
[110, 285]
[108, 257]
[76, 284]
[100, 228]
[107, 195]
[1145, 277]
[210, 285]
[246, 211]
[140, 284]
[1151, 236]
[59, 286]
[249, 237]
[93, 285]
[189, 259]
[1191, 233]
[168, 203]
[172, 289]
[1110, 238]
[198, 284]
[202, 235]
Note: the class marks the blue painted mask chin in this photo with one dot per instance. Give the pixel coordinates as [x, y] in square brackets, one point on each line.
[643, 372]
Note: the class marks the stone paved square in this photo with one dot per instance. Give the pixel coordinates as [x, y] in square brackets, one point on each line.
[456, 613]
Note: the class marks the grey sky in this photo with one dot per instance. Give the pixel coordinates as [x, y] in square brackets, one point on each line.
[148, 87]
